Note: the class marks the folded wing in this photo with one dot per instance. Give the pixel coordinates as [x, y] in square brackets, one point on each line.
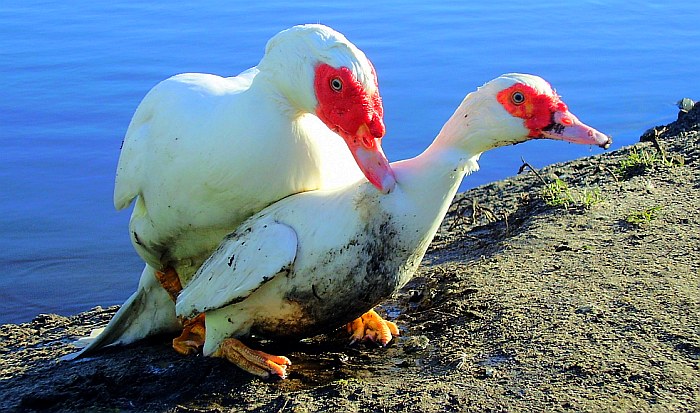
[247, 259]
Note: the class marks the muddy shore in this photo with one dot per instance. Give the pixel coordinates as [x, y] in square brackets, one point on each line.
[572, 289]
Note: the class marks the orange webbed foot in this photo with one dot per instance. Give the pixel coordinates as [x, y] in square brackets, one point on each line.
[255, 362]
[372, 327]
[170, 281]
[191, 340]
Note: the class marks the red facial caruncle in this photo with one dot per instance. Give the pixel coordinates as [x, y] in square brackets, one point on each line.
[357, 116]
[344, 102]
[537, 109]
[546, 116]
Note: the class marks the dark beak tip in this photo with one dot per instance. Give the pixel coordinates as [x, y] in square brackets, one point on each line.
[606, 144]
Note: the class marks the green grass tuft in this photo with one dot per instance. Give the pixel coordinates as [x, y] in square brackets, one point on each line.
[638, 160]
[558, 194]
[644, 216]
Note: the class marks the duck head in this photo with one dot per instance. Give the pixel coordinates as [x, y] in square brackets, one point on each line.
[515, 108]
[319, 71]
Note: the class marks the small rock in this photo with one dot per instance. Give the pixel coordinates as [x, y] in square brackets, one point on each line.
[685, 104]
[415, 343]
[414, 296]
[563, 247]
[586, 309]
[649, 186]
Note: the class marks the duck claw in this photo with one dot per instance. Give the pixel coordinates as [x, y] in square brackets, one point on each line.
[371, 327]
[255, 362]
[191, 340]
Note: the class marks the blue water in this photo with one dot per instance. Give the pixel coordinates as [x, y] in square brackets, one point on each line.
[72, 73]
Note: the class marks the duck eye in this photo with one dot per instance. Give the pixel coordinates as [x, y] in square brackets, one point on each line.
[517, 98]
[336, 84]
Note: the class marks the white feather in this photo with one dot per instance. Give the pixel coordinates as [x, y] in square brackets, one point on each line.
[244, 261]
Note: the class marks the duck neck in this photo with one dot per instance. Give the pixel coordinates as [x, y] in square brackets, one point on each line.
[432, 179]
[290, 85]
[452, 155]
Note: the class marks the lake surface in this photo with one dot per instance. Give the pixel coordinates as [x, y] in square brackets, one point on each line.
[73, 72]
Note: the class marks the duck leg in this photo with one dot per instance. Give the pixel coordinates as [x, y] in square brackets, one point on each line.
[372, 327]
[170, 281]
[193, 332]
[255, 362]
[191, 340]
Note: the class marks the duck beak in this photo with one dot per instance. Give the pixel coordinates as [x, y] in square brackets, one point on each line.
[367, 150]
[566, 127]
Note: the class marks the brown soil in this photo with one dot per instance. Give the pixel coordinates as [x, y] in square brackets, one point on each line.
[518, 306]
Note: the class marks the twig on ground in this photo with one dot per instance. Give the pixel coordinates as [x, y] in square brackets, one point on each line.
[610, 171]
[527, 165]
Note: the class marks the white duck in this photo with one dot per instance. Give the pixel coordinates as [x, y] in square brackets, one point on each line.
[203, 153]
[319, 259]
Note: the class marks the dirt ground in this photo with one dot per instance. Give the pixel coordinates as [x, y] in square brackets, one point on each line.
[523, 303]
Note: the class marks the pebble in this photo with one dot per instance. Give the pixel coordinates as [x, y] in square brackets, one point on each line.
[415, 343]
